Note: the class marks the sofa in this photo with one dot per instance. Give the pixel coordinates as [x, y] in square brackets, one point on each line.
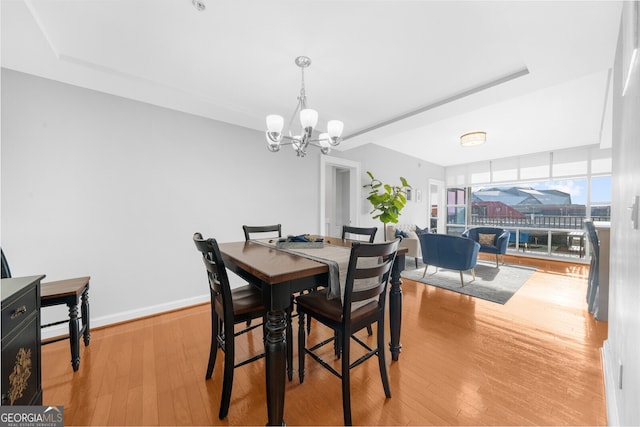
[493, 240]
[409, 241]
[450, 252]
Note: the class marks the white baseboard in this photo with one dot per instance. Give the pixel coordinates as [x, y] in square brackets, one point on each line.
[59, 330]
[610, 384]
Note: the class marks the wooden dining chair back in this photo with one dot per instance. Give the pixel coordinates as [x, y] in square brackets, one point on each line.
[6, 271]
[594, 267]
[229, 307]
[363, 304]
[354, 233]
[72, 293]
[264, 231]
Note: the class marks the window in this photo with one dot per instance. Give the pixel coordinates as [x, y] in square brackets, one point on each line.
[456, 210]
[542, 198]
[545, 217]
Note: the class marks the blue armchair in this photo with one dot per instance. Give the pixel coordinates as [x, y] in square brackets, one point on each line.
[493, 240]
[451, 252]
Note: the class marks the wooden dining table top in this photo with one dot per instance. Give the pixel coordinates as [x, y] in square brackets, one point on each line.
[272, 265]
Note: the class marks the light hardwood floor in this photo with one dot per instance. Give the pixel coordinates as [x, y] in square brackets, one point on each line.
[533, 361]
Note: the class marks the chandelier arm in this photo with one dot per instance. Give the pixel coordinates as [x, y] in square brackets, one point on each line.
[316, 143]
[287, 140]
[296, 113]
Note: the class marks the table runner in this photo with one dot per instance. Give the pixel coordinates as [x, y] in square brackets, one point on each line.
[337, 259]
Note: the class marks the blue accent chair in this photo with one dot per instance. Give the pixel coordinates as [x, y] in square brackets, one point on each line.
[450, 252]
[491, 245]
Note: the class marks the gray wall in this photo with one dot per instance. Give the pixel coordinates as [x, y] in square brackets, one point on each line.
[388, 166]
[94, 184]
[623, 344]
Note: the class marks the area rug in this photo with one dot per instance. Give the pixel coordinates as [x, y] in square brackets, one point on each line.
[491, 284]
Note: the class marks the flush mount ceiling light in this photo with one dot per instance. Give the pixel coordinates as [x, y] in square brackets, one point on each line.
[473, 138]
[308, 120]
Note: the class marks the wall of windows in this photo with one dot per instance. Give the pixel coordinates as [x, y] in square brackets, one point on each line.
[543, 199]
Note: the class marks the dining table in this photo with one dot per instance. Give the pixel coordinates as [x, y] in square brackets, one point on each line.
[281, 273]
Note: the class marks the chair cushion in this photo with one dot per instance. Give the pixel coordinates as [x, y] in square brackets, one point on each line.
[317, 302]
[246, 299]
[486, 239]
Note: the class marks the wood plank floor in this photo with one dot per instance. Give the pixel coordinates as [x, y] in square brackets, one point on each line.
[533, 361]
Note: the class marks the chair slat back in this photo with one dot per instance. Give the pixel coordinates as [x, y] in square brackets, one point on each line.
[251, 230]
[370, 232]
[593, 238]
[216, 272]
[6, 272]
[370, 263]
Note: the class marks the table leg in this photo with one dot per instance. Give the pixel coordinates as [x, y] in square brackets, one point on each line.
[74, 332]
[275, 347]
[395, 306]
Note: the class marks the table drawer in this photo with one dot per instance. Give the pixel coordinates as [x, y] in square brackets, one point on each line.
[25, 303]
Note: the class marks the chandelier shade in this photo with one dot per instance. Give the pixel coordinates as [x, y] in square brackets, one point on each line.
[473, 138]
[275, 123]
[308, 120]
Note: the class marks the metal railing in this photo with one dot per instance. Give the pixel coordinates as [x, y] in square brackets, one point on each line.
[547, 221]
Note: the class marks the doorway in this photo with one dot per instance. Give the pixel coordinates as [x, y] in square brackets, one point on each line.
[340, 193]
[437, 216]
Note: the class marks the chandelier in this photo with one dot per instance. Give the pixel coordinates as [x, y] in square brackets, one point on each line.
[308, 121]
[473, 138]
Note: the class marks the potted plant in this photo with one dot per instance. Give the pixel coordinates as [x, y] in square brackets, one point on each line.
[387, 200]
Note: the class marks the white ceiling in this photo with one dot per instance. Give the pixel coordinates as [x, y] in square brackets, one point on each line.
[533, 75]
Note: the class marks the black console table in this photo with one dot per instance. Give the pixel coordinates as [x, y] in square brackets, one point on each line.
[21, 369]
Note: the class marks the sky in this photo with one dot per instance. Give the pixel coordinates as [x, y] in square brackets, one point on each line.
[600, 189]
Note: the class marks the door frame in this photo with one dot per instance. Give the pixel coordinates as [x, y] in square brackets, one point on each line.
[441, 202]
[327, 164]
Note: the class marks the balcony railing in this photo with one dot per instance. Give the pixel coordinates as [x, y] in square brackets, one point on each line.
[546, 221]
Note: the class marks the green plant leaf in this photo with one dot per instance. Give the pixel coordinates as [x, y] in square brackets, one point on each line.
[388, 204]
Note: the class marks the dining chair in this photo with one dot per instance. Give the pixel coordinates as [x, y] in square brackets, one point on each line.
[363, 304]
[70, 292]
[594, 267]
[264, 231]
[229, 307]
[348, 231]
[370, 232]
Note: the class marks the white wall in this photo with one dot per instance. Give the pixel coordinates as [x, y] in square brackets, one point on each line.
[623, 343]
[94, 184]
[388, 166]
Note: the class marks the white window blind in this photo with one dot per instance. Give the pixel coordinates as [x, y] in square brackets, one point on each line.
[538, 166]
[479, 173]
[504, 170]
[535, 166]
[571, 162]
[456, 176]
[601, 161]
